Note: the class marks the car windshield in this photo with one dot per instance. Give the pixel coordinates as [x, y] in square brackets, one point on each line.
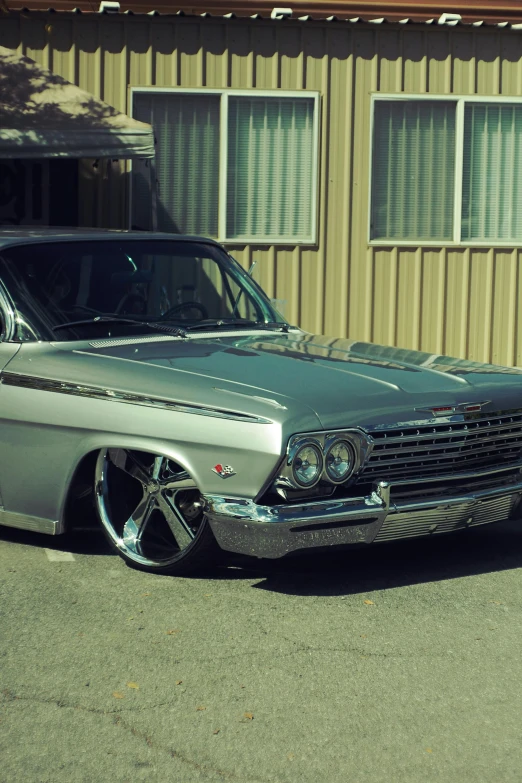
[148, 281]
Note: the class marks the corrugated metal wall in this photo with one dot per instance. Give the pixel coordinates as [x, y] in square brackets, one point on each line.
[460, 301]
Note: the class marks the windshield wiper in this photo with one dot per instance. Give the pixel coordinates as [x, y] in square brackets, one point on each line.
[219, 323]
[113, 319]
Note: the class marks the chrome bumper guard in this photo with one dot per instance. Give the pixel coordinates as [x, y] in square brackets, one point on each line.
[245, 527]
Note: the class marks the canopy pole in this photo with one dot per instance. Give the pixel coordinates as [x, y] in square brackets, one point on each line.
[153, 194]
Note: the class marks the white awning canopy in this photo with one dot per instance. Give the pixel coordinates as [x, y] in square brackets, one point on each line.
[43, 115]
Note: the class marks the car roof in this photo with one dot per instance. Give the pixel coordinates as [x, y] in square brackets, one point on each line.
[30, 235]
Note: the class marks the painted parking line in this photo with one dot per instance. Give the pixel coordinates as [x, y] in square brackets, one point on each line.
[55, 556]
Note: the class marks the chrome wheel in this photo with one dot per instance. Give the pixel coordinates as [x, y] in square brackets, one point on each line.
[151, 510]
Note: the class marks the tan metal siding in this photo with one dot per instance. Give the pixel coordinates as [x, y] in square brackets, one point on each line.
[462, 301]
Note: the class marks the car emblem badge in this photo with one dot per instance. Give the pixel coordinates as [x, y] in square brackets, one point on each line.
[450, 410]
[225, 471]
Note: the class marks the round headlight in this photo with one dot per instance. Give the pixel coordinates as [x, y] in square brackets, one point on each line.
[340, 461]
[307, 465]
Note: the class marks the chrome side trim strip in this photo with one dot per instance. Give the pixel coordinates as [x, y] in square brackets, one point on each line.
[36, 524]
[99, 393]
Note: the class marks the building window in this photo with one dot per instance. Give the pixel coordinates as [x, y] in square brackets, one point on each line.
[239, 166]
[446, 171]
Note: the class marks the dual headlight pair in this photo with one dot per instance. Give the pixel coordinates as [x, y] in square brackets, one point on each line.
[309, 463]
[333, 457]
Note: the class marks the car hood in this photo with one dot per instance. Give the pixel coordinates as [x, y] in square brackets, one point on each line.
[312, 380]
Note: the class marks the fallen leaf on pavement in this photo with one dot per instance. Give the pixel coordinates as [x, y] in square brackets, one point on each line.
[216, 731]
[200, 709]
[249, 715]
[172, 631]
[368, 602]
[118, 695]
[429, 750]
[133, 685]
[290, 756]
[178, 682]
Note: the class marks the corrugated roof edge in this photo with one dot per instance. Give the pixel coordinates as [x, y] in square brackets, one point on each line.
[467, 19]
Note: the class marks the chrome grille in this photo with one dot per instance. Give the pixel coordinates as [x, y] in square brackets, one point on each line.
[417, 452]
[412, 524]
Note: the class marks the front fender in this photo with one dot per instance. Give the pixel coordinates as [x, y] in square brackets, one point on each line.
[38, 460]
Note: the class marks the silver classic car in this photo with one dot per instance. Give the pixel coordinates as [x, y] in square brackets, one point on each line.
[149, 375]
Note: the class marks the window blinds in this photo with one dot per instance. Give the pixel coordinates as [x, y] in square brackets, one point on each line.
[413, 170]
[491, 197]
[261, 149]
[186, 127]
[270, 168]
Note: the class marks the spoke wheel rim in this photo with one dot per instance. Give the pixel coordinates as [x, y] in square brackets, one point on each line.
[149, 507]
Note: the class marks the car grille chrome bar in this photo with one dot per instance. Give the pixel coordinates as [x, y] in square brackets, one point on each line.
[433, 521]
[446, 447]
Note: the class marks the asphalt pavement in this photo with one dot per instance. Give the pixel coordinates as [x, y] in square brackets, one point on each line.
[397, 662]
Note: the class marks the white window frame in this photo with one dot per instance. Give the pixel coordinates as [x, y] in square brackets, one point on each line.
[223, 157]
[460, 102]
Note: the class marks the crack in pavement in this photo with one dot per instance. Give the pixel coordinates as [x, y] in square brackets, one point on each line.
[175, 754]
[306, 649]
[120, 722]
[10, 696]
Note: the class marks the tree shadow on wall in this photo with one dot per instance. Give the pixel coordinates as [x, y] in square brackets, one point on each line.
[31, 96]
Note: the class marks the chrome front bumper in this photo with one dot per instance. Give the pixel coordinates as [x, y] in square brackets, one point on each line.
[273, 531]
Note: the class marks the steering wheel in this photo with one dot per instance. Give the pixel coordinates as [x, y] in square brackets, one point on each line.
[136, 302]
[178, 309]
